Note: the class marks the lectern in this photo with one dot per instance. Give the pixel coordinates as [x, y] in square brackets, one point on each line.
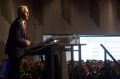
[55, 59]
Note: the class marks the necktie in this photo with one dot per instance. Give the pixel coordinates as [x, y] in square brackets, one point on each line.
[24, 27]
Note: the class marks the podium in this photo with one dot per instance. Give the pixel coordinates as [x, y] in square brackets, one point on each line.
[55, 59]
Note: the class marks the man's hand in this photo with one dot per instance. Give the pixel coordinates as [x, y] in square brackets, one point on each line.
[28, 42]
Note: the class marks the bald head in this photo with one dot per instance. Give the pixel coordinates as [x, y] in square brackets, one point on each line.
[23, 12]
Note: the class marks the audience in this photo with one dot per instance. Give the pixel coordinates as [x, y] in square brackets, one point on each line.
[91, 69]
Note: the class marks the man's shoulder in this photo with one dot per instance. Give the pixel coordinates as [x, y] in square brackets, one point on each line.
[16, 22]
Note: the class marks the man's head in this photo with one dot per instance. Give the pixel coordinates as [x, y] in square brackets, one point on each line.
[23, 12]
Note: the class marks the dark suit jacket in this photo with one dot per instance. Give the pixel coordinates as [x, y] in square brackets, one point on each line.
[16, 40]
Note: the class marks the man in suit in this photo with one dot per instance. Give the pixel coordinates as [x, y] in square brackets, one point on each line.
[17, 41]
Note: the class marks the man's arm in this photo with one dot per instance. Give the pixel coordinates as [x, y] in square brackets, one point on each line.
[20, 39]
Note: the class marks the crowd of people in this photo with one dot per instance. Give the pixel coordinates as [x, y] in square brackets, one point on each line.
[32, 70]
[94, 69]
[91, 69]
